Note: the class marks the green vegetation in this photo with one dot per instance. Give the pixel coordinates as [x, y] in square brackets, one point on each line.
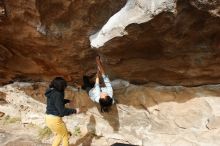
[44, 132]
[77, 131]
[9, 120]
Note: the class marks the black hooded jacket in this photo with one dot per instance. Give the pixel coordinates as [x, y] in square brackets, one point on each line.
[56, 103]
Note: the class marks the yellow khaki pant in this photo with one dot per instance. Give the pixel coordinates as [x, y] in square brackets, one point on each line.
[58, 127]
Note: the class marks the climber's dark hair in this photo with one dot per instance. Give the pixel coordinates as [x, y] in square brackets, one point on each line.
[58, 83]
[105, 103]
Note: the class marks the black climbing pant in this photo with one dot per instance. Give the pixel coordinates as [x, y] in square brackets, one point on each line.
[87, 85]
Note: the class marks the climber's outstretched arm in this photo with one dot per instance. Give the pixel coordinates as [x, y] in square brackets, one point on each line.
[99, 65]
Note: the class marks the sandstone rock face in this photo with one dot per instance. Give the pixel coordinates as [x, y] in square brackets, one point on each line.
[166, 41]
[135, 11]
[178, 48]
[144, 115]
[43, 38]
[212, 6]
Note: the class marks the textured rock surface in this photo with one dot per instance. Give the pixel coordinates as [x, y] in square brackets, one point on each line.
[212, 6]
[135, 11]
[17, 134]
[40, 39]
[181, 48]
[43, 38]
[144, 115]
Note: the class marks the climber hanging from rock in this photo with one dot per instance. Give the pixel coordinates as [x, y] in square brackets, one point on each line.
[101, 95]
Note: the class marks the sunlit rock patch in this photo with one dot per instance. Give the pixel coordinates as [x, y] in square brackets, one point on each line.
[143, 115]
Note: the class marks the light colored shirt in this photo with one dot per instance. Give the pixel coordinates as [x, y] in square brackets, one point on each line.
[94, 93]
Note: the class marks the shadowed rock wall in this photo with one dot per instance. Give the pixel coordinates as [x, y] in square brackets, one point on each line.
[170, 49]
[43, 38]
[40, 39]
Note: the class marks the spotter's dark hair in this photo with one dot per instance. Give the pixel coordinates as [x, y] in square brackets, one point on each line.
[58, 83]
